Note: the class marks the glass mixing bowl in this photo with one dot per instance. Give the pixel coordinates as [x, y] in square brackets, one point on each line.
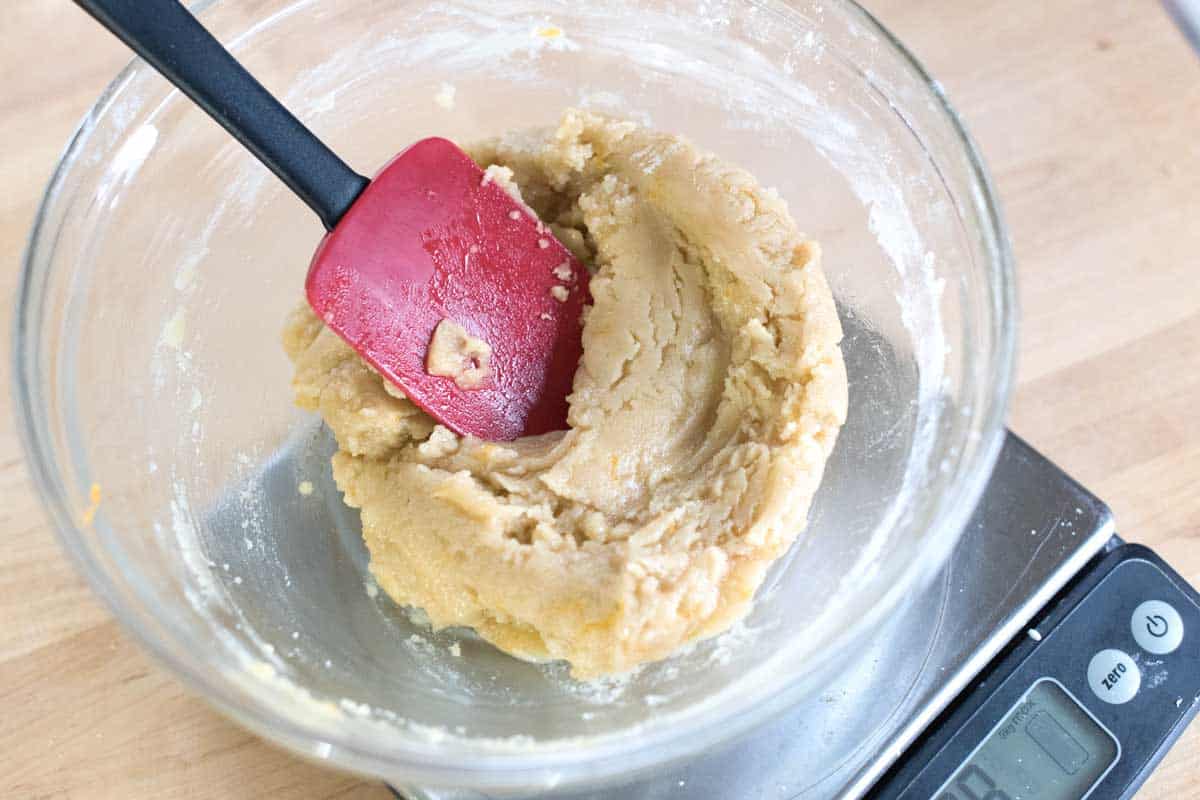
[154, 395]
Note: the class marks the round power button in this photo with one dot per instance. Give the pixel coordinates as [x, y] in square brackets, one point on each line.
[1157, 627]
[1113, 676]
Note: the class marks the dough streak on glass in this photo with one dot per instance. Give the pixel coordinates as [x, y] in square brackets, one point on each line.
[709, 396]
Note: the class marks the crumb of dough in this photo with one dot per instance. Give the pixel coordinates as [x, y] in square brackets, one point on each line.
[564, 272]
[559, 293]
[709, 395]
[454, 353]
[445, 96]
[503, 177]
[305, 488]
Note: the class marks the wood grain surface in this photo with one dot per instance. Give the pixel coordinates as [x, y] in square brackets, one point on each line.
[1089, 116]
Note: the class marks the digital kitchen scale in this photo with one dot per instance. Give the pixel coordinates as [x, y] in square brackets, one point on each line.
[1049, 660]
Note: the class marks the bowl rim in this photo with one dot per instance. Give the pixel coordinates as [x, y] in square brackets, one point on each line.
[508, 770]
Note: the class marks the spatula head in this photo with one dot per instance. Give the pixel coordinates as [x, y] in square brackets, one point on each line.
[430, 239]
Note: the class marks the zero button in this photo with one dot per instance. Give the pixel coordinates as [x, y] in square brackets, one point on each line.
[1113, 676]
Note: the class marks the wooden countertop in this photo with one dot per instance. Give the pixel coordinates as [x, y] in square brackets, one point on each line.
[1090, 121]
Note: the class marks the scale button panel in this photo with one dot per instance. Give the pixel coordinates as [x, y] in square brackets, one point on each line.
[1086, 712]
[1114, 676]
[1157, 627]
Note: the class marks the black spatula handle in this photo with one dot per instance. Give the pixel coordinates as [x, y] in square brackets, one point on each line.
[167, 36]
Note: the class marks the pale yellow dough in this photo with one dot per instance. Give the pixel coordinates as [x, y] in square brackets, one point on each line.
[454, 353]
[709, 396]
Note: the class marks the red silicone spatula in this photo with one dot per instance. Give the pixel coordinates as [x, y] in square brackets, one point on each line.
[429, 239]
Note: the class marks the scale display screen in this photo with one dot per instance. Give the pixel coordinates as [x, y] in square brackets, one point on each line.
[1047, 747]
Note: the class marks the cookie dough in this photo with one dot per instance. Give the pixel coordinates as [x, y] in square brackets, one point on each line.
[454, 353]
[709, 396]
